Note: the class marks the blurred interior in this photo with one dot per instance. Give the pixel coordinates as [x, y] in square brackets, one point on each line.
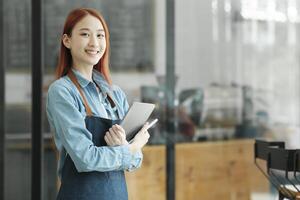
[237, 79]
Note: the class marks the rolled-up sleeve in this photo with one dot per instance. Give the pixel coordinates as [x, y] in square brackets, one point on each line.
[70, 131]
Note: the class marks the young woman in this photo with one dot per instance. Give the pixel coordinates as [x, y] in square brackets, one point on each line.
[84, 109]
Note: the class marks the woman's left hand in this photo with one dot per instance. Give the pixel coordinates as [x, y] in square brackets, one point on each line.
[115, 136]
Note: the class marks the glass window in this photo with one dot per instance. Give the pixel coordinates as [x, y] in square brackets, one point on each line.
[236, 69]
[17, 59]
[237, 66]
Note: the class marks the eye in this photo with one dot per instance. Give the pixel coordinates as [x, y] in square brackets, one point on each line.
[100, 35]
[85, 34]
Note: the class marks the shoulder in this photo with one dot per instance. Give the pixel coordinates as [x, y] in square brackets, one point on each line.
[62, 87]
[118, 91]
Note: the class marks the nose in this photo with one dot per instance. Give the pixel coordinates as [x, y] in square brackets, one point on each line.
[93, 41]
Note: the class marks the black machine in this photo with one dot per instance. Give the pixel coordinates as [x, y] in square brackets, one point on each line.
[282, 167]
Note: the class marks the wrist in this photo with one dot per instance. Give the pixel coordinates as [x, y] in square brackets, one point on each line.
[133, 148]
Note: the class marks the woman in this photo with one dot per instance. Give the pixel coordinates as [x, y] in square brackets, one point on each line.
[84, 109]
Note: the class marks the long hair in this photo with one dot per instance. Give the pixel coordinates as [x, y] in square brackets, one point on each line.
[65, 57]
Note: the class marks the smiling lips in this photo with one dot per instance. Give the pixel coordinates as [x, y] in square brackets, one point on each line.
[92, 52]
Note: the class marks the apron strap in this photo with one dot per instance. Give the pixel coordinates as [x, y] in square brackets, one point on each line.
[75, 81]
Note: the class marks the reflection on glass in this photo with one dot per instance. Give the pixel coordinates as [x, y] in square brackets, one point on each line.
[156, 95]
[228, 20]
[214, 10]
[249, 81]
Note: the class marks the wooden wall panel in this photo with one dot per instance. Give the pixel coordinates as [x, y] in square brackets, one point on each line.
[210, 170]
[217, 170]
[149, 182]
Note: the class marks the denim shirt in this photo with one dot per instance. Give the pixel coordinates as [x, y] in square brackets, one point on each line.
[66, 115]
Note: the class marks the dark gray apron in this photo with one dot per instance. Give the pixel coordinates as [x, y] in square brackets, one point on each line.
[92, 185]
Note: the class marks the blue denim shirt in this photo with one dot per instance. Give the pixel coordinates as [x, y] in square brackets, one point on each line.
[66, 115]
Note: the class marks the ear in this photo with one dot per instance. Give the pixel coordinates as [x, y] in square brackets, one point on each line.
[66, 41]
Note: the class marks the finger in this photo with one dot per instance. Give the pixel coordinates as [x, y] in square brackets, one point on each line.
[110, 138]
[120, 133]
[112, 142]
[120, 128]
[108, 142]
[114, 138]
[115, 130]
[147, 134]
[115, 133]
[117, 136]
[145, 127]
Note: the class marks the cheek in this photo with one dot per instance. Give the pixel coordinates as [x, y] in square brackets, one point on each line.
[79, 43]
[103, 43]
[104, 47]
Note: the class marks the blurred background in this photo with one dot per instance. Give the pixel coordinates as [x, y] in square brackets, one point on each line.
[236, 69]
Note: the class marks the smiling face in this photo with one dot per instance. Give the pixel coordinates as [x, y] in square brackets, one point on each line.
[87, 42]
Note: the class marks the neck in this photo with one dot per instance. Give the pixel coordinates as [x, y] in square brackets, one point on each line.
[86, 71]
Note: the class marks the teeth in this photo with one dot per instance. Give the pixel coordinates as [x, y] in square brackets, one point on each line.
[92, 52]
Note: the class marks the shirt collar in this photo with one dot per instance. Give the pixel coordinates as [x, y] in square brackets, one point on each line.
[101, 81]
[83, 82]
[97, 77]
[104, 86]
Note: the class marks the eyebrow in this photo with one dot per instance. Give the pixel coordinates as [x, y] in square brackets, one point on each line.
[86, 29]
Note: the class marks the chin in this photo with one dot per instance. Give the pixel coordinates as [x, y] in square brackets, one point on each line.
[94, 62]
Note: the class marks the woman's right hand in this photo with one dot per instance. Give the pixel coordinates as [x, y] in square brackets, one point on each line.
[140, 139]
[115, 136]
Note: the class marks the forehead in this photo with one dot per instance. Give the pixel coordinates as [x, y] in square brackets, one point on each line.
[89, 22]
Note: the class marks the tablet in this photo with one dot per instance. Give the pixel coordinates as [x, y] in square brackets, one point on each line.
[136, 117]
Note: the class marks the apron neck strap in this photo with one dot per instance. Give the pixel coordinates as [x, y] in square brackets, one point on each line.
[75, 81]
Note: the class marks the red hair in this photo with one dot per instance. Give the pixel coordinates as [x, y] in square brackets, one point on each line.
[65, 57]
